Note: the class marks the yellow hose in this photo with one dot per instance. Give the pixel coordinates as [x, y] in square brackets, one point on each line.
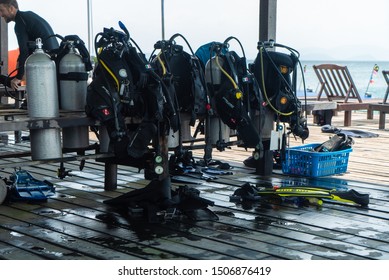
[239, 94]
[109, 71]
[162, 64]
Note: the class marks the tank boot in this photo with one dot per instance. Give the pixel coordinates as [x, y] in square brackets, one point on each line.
[250, 162]
[140, 140]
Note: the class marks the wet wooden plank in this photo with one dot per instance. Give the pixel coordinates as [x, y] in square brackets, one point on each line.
[376, 216]
[211, 186]
[93, 225]
[299, 214]
[48, 230]
[173, 233]
[266, 231]
[339, 228]
[8, 251]
[103, 194]
[177, 228]
[25, 246]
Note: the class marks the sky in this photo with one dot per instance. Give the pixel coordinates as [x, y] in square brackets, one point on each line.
[319, 30]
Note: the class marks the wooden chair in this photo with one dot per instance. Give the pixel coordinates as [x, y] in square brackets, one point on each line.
[338, 85]
[382, 108]
[336, 82]
[385, 73]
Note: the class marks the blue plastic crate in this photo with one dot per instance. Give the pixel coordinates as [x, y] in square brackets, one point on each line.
[305, 161]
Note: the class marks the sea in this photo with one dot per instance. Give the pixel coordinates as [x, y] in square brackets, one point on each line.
[362, 72]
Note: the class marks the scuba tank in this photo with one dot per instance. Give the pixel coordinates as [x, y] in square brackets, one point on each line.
[72, 78]
[276, 75]
[41, 87]
[218, 131]
[230, 90]
[124, 86]
[182, 73]
[213, 74]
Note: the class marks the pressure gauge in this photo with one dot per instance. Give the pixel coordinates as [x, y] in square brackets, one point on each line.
[158, 169]
[123, 73]
[158, 159]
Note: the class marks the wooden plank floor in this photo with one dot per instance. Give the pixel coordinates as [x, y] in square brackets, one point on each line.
[76, 224]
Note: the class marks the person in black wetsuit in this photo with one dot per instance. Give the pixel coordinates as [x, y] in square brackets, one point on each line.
[28, 27]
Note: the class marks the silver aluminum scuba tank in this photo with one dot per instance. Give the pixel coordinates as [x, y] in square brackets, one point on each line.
[213, 76]
[72, 91]
[42, 91]
[174, 137]
[73, 97]
[218, 131]
[41, 84]
[45, 143]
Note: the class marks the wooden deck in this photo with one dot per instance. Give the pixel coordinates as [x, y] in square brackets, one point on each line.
[77, 225]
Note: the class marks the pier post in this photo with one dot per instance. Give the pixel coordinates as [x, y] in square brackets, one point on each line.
[267, 31]
[267, 20]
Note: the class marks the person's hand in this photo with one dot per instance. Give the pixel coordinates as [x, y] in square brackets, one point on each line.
[15, 83]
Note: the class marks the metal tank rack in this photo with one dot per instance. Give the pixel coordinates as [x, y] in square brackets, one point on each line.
[17, 120]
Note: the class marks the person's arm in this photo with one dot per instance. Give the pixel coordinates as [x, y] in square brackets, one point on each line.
[23, 39]
[23, 54]
[15, 83]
